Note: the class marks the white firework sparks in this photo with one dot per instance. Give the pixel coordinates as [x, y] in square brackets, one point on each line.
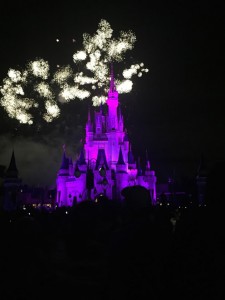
[98, 100]
[137, 69]
[15, 101]
[53, 111]
[39, 68]
[14, 75]
[80, 55]
[62, 75]
[125, 86]
[100, 50]
[71, 92]
[66, 84]
[82, 80]
[44, 90]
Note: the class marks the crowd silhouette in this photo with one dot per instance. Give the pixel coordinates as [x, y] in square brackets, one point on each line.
[103, 249]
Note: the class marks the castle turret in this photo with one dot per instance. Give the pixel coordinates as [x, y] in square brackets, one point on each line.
[81, 161]
[12, 171]
[101, 160]
[147, 167]
[112, 103]
[64, 168]
[121, 174]
[120, 161]
[126, 144]
[131, 161]
[140, 177]
[132, 169]
[102, 175]
[89, 124]
[70, 166]
[63, 174]
[89, 128]
[139, 169]
[120, 120]
[12, 183]
[150, 180]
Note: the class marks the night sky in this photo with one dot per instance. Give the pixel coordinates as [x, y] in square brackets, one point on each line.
[176, 111]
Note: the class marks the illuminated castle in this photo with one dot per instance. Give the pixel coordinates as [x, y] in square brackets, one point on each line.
[106, 164]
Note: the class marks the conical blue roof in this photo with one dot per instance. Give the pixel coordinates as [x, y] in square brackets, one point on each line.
[65, 162]
[120, 158]
[101, 158]
[130, 157]
[139, 173]
[81, 160]
[12, 170]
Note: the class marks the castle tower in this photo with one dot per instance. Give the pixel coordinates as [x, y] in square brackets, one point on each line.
[112, 103]
[114, 135]
[106, 164]
[150, 180]
[12, 184]
[132, 168]
[61, 180]
[121, 174]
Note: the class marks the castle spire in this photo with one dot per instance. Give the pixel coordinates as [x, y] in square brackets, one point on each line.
[65, 161]
[112, 102]
[89, 115]
[89, 123]
[130, 156]
[120, 159]
[81, 159]
[139, 173]
[101, 108]
[147, 161]
[112, 87]
[101, 160]
[12, 170]
[119, 112]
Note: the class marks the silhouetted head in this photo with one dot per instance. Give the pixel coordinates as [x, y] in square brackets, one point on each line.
[136, 197]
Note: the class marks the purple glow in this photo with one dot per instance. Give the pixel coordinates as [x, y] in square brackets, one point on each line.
[107, 148]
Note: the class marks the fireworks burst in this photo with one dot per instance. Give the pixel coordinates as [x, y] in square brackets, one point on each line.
[18, 84]
[98, 52]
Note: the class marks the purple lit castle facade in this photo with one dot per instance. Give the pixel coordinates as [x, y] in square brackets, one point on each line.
[106, 164]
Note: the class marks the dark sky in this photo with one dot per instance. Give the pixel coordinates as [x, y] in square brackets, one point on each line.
[176, 111]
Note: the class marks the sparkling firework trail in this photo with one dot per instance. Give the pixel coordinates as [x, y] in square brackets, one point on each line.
[14, 99]
[99, 51]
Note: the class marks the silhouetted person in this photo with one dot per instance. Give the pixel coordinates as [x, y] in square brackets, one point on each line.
[138, 250]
